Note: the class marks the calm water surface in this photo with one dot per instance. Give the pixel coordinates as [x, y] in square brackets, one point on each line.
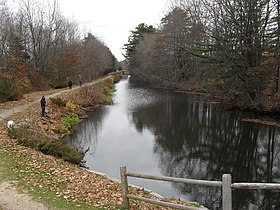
[158, 132]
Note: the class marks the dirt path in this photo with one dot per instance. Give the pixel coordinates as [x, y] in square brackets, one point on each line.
[9, 112]
[11, 199]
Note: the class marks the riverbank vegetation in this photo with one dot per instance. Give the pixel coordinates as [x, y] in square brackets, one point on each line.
[226, 48]
[46, 134]
[58, 148]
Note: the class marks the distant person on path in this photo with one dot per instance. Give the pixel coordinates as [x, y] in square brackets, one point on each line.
[70, 84]
[43, 106]
[81, 83]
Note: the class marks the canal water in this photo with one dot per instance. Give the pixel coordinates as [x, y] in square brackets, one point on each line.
[158, 132]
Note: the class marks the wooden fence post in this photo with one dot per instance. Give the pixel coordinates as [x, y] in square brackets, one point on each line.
[124, 187]
[227, 193]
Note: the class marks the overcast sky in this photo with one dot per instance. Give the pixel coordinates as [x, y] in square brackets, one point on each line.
[111, 20]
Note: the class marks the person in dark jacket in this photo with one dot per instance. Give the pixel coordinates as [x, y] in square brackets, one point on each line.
[70, 84]
[43, 105]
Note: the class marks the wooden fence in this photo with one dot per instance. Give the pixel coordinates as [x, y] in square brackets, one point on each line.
[226, 185]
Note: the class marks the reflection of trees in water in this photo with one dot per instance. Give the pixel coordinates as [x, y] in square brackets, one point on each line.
[86, 136]
[198, 140]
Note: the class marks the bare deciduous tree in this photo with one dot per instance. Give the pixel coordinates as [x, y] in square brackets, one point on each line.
[96, 58]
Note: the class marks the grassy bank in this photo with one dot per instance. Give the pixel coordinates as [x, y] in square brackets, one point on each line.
[32, 173]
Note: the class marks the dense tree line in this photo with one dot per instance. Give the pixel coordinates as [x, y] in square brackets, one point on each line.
[226, 45]
[40, 48]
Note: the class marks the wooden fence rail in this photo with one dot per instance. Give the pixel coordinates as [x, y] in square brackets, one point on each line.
[177, 180]
[226, 185]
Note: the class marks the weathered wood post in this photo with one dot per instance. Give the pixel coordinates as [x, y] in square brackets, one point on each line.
[124, 187]
[227, 193]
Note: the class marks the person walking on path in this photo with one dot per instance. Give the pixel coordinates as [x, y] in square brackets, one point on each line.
[70, 84]
[43, 106]
[80, 81]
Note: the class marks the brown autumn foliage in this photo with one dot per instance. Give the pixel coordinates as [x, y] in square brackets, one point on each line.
[65, 66]
[15, 82]
[38, 80]
[68, 61]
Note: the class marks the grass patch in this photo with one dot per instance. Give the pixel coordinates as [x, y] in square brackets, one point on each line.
[6, 163]
[195, 204]
[201, 88]
[69, 122]
[108, 91]
[13, 168]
